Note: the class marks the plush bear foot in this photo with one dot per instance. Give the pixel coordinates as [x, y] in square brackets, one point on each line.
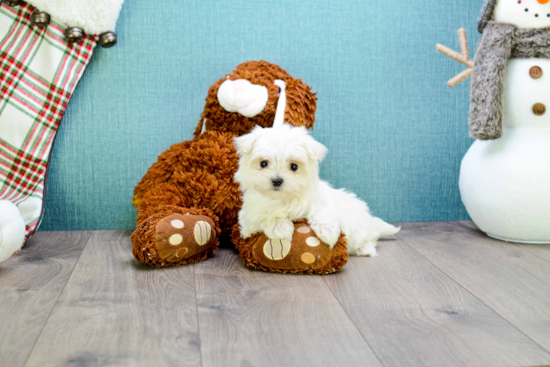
[182, 236]
[306, 254]
[175, 239]
[12, 230]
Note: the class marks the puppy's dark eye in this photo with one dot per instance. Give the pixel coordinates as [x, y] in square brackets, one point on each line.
[294, 167]
[264, 164]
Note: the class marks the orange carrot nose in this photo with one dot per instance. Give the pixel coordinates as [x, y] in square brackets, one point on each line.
[543, 1]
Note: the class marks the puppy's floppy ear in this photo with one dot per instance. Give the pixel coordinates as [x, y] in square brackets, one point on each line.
[314, 149]
[244, 144]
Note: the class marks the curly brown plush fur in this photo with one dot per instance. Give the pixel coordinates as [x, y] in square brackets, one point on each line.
[301, 102]
[196, 177]
[193, 174]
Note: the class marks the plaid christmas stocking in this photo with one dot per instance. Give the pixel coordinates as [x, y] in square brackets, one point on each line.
[43, 55]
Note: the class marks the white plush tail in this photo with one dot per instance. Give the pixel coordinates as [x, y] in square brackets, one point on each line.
[281, 105]
[384, 228]
[12, 230]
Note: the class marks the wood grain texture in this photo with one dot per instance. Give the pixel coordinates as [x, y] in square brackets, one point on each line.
[542, 251]
[30, 284]
[443, 294]
[412, 314]
[512, 281]
[116, 311]
[252, 318]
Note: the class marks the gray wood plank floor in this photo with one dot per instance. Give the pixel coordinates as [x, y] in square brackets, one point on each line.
[30, 284]
[440, 294]
[506, 277]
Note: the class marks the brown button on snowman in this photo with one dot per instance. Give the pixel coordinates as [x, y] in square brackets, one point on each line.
[505, 176]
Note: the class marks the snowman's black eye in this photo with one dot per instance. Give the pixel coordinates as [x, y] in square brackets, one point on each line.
[526, 9]
[294, 167]
[263, 164]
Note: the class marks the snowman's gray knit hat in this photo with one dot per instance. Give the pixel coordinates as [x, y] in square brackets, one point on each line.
[486, 14]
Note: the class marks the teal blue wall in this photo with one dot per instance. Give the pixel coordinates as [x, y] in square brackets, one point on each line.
[395, 131]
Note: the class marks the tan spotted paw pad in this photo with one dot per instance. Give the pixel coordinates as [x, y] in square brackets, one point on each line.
[305, 251]
[182, 236]
[276, 249]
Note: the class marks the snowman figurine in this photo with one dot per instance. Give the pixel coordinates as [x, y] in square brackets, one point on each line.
[505, 176]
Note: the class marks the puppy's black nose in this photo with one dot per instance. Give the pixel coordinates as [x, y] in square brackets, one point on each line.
[277, 182]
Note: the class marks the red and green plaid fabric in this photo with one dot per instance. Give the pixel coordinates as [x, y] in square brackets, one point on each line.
[39, 71]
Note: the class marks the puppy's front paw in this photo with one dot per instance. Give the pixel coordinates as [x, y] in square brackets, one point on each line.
[327, 232]
[279, 229]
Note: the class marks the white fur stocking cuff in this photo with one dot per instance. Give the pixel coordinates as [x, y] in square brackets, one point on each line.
[93, 16]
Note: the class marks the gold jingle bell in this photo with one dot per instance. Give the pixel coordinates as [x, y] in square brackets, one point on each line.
[40, 19]
[73, 34]
[13, 2]
[108, 39]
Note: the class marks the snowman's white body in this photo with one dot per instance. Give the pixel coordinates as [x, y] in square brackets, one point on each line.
[505, 183]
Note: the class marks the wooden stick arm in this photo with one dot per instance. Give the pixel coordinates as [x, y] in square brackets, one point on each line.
[454, 55]
[463, 39]
[463, 57]
[460, 78]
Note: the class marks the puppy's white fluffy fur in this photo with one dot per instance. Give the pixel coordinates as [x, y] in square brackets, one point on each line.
[290, 154]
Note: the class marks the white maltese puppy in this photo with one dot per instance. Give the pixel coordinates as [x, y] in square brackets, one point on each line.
[279, 176]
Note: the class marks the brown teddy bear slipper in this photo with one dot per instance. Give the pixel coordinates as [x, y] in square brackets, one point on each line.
[184, 237]
[306, 254]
